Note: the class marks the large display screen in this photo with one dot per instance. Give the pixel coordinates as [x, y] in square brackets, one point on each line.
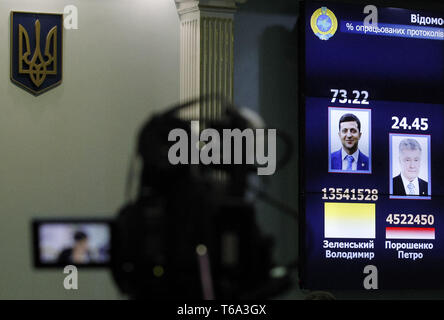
[372, 162]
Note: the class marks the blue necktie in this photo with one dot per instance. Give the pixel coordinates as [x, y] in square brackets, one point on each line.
[350, 160]
[411, 187]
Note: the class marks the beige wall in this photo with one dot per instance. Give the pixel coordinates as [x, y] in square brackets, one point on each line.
[66, 152]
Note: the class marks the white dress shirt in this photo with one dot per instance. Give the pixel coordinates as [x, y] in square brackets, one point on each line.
[345, 161]
[415, 182]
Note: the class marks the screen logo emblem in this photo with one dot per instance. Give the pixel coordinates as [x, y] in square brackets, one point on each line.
[324, 23]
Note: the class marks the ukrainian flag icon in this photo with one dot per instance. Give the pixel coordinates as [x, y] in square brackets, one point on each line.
[349, 220]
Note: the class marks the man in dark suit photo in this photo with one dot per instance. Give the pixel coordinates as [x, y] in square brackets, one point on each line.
[79, 253]
[407, 183]
[349, 157]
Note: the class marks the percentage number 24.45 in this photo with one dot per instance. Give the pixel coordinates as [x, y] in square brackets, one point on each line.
[417, 124]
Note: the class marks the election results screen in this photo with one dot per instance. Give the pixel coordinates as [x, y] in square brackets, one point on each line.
[372, 147]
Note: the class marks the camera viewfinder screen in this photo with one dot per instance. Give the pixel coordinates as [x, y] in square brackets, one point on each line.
[61, 243]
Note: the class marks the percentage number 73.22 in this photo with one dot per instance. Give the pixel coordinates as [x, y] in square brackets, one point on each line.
[342, 96]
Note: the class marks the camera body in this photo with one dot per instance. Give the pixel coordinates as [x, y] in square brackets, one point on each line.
[190, 232]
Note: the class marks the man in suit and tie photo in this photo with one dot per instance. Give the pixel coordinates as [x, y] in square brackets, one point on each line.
[349, 158]
[407, 183]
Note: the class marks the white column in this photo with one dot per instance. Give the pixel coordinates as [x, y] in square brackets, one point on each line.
[206, 53]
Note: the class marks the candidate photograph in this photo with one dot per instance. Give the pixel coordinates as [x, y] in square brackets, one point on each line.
[349, 140]
[410, 166]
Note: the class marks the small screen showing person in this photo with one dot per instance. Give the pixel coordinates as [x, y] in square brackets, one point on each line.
[70, 243]
[349, 140]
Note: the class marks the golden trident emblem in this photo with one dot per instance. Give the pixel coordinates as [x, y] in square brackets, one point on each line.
[38, 66]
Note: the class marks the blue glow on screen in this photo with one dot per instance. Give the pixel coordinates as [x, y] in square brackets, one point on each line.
[398, 76]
